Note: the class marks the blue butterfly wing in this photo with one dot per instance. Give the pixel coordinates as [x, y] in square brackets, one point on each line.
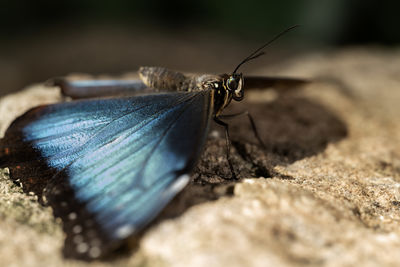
[114, 163]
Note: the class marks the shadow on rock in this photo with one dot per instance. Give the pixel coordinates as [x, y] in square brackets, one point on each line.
[292, 128]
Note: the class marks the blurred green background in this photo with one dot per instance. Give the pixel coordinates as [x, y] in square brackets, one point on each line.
[42, 39]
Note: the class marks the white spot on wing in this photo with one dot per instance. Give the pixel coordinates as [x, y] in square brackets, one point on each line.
[177, 186]
[94, 252]
[72, 216]
[124, 231]
[77, 229]
[82, 248]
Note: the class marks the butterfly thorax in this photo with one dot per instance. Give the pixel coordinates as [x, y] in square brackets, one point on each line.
[225, 86]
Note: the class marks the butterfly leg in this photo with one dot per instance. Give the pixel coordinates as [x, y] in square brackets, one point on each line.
[228, 145]
[252, 123]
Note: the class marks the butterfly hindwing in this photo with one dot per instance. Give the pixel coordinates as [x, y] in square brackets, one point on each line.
[113, 163]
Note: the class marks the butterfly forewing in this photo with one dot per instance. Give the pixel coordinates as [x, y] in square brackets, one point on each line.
[77, 89]
[114, 163]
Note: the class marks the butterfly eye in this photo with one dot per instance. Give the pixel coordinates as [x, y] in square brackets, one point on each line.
[235, 84]
[232, 84]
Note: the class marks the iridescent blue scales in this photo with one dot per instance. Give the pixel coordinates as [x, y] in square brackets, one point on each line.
[115, 163]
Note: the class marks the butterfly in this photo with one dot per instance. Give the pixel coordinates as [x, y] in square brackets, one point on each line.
[108, 166]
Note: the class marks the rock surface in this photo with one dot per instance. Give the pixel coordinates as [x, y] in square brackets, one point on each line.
[330, 195]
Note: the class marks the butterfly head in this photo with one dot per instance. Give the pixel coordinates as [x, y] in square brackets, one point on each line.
[234, 84]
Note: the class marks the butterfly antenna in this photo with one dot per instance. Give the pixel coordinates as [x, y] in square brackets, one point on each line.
[257, 52]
